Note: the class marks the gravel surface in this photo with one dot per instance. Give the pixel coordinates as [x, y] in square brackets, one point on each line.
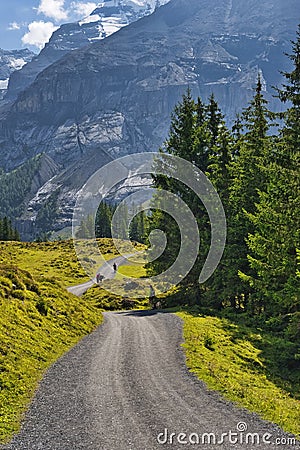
[106, 270]
[123, 385]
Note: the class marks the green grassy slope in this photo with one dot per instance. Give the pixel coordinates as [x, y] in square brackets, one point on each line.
[39, 319]
[55, 259]
[246, 365]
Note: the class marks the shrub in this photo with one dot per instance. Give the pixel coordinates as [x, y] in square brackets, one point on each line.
[42, 307]
[209, 342]
[19, 294]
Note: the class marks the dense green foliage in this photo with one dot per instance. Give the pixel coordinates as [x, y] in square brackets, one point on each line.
[255, 169]
[7, 231]
[15, 185]
[103, 227]
[274, 240]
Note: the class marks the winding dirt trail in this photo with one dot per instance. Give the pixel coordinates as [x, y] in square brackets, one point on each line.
[126, 383]
[106, 270]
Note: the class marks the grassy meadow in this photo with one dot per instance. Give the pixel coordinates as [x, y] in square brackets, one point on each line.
[54, 259]
[246, 365]
[104, 299]
[40, 321]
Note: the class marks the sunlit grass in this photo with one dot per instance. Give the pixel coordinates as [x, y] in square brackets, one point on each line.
[132, 271]
[39, 321]
[54, 259]
[229, 358]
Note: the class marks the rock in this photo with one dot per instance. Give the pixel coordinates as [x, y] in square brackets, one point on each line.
[11, 61]
[109, 17]
[115, 96]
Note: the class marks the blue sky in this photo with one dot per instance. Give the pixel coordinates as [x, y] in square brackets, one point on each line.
[30, 23]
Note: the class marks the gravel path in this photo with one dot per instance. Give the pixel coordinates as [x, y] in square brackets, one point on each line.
[123, 385]
[106, 270]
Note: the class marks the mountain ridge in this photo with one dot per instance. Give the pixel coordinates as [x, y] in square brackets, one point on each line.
[11, 61]
[109, 17]
[114, 97]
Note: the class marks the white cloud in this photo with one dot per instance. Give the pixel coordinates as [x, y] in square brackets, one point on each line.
[38, 33]
[14, 26]
[53, 9]
[83, 9]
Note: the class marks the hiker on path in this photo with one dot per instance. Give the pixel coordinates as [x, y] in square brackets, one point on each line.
[99, 278]
[152, 297]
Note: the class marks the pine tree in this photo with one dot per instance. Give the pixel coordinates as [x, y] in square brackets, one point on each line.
[215, 119]
[15, 235]
[194, 133]
[180, 142]
[137, 226]
[120, 225]
[181, 136]
[218, 287]
[201, 138]
[274, 243]
[86, 228]
[248, 178]
[103, 220]
[7, 231]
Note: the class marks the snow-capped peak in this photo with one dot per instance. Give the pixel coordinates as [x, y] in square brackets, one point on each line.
[11, 60]
[108, 17]
[112, 15]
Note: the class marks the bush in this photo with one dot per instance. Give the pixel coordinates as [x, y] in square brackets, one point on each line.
[293, 329]
[19, 294]
[42, 307]
[209, 342]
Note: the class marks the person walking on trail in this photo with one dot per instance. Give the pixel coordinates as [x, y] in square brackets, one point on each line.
[152, 297]
[115, 267]
[99, 278]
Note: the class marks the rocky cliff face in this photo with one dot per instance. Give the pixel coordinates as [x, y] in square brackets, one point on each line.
[109, 17]
[10, 61]
[115, 96]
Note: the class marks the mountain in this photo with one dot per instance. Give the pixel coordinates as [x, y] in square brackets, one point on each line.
[114, 97]
[109, 17]
[11, 61]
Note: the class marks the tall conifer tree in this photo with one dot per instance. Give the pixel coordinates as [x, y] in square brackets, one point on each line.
[275, 240]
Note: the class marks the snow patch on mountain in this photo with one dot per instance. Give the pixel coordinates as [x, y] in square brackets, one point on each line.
[10, 61]
[90, 19]
[17, 63]
[112, 15]
[4, 84]
[108, 17]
